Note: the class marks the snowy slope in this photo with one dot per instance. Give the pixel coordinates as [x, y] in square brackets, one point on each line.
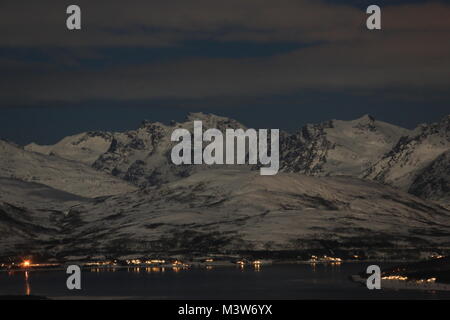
[36, 196]
[228, 210]
[433, 182]
[83, 147]
[339, 147]
[31, 217]
[223, 210]
[26, 231]
[70, 176]
[411, 155]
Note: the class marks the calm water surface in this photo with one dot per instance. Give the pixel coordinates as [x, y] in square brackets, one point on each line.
[267, 282]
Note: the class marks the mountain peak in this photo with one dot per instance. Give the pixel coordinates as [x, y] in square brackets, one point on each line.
[203, 116]
[366, 118]
[445, 121]
[214, 121]
[442, 126]
[147, 123]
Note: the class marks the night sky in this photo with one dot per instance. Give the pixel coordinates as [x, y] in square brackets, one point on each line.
[269, 64]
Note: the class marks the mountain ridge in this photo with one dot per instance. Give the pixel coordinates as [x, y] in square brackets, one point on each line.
[363, 147]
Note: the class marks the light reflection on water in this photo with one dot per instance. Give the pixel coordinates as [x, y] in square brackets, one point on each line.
[26, 279]
[27, 284]
[138, 270]
[176, 269]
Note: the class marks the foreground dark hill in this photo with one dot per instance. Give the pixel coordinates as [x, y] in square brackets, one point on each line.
[224, 211]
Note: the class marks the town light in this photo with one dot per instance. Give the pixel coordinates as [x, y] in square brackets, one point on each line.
[26, 263]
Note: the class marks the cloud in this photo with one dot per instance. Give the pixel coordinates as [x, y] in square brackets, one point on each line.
[162, 23]
[411, 52]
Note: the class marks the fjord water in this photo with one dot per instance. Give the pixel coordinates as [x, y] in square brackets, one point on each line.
[294, 281]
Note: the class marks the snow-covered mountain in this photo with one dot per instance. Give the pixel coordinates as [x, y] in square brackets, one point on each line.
[338, 147]
[142, 156]
[364, 147]
[70, 176]
[319, 202]
[240, 211]
[421, 152]
[84, 147]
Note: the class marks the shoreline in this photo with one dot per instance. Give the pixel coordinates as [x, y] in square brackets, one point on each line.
[406, 284]
[193, 264]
